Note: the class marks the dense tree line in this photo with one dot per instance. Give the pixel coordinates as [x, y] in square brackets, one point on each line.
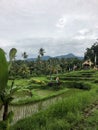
[42, 67]
[92, 53]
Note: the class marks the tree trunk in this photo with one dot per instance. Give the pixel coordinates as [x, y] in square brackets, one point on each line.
[5, 113]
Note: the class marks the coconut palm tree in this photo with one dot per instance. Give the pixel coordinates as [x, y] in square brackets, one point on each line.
[24, 55]
[41, 52]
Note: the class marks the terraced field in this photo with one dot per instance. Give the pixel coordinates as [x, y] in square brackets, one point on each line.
[73, 106]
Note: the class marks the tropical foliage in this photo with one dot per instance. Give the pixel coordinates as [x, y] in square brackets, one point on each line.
[92, 53]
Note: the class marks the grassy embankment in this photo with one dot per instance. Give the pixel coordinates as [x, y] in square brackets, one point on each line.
[36, 88]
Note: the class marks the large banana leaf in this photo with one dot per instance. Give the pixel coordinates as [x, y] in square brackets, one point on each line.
[3, 71]
[12, 53]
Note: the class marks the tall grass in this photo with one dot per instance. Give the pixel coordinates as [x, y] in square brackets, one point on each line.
[64, 115]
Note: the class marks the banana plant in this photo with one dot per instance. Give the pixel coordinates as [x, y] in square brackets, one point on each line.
[5, 94]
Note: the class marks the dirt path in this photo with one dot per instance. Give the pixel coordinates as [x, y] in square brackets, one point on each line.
[86, 114]
[90, 109]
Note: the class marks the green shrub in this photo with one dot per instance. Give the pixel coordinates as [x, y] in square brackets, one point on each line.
[96, 81]
[78, 85]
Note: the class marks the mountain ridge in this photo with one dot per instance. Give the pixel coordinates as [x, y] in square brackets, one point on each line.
[67, 56]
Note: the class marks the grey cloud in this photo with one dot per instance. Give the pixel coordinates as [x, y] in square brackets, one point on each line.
[53, 47]
[61, 20]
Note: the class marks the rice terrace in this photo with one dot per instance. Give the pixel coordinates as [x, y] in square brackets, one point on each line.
[48, 65]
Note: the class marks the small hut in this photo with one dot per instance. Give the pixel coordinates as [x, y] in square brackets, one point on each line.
[87, 64]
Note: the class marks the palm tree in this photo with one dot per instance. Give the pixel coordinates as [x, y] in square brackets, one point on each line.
[41, 52]
[24, 55]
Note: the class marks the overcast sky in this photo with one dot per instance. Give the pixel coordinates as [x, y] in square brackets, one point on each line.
[59, 26]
